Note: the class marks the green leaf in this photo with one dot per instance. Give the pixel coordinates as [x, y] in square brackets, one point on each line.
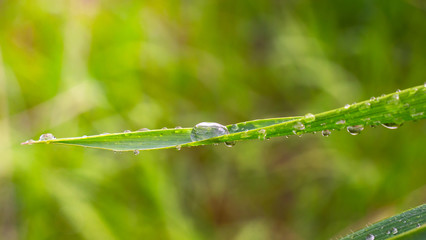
[407, 225]
[390, 110]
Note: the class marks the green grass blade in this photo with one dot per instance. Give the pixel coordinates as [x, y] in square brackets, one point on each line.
[392, 109]
[410, 222]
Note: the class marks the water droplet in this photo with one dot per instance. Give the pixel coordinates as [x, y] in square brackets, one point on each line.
[418, 224]
[394, 99]
[178, 147]
[164, 128]
[326, 133]
[388, 232]
[136, 152]
[178, 127]
[299, 126]
[323, 124]
[142, 130]
[365, 106]
[391, 125]
[340, 122]
[394, 230]
[206, 130]
[355, 130]
[234, 128]
[398, 90]
[230, 144]
[127, 131]
[309, 117]
[369, 237]
[261, 134]
[84, 136]
[372, 98]
[46, 136]
[29, 142]
[347, 106]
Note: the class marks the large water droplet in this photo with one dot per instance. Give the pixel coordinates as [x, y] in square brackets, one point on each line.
[369, 237]
[391, 125]
[355, 130]
[309, 117]
[394, 230]
[326, 133]
[206, 130]
[46, 136]
[299, 126]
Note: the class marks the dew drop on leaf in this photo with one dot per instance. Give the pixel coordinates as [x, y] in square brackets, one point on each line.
[230, 144]
[309, 117]
[299, 126]
[127, 131]
[142, 130]
[391, 125]
[234, 128]
[261, 134]
[369, 237]
[46, 136]
[178, 147]
[206, 130]
[326, 133]
[394, 230]
[347, 106]
[355, 130]
[341, 122]
[136, 152]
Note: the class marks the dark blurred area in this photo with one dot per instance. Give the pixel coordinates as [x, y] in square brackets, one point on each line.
[84, 67]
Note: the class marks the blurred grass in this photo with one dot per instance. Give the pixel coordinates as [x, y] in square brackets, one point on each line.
[154, 64]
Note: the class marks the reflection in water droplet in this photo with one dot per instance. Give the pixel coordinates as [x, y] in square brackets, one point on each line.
[206, 130]
[369, 237]
[261, 134]
[326, 133]
[309, 117]
[136, 152]
[46, 136]
[394, 230]
[355, 130]
[391, 125]
[343, 121]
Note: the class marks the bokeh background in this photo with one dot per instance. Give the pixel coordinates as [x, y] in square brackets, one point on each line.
[84, 67]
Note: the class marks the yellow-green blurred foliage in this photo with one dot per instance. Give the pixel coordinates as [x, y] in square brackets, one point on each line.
[83, 67]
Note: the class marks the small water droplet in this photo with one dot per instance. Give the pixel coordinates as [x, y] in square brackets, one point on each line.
[398, 90]
[323, 124]
[234, 128]
[355, 130]
[299, 126]
[388, 232]
[178, 127]
[178, 147]
[127, 131]
[372, 98]
[340, 122]
[418, 224]
[347, 106]
[365, 106]
[164, 128]
[230, 143]
[369, 237]
[46, 136]
[391, 125]
[394, 230]
[309, 117]
[394, 99]
[142, 130]
[206, 130]
[136, 152]
[29, 142]
[261, 134]
[326, 133]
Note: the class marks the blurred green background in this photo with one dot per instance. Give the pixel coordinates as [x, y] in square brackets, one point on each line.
[83, 67]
